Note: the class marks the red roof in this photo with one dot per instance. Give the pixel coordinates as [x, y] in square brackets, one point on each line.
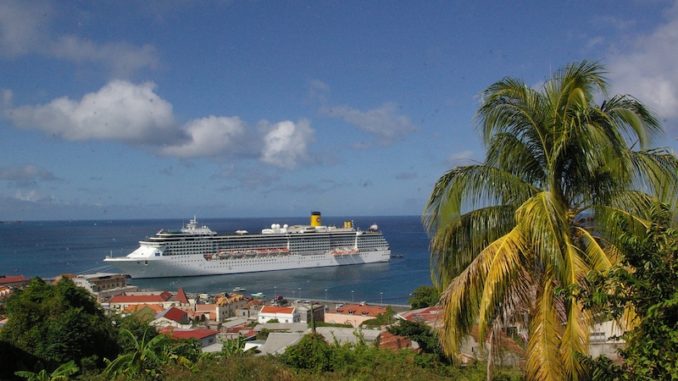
[181, 296]
[429, 315]
[198, 333]
[153, 298]
[277, 310]
[138, 307]
[361, 309]
[387, 340]
[6, 279]
[175, 314]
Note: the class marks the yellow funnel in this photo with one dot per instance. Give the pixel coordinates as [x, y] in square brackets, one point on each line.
[315, 219]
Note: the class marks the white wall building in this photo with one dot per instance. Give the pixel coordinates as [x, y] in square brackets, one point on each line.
[282, 314]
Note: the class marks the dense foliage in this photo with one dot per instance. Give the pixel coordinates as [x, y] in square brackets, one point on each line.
[428, 341]
[513, 235]
[58, 323]
[424, 296]
[645, 280]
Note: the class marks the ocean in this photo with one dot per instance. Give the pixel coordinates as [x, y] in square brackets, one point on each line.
[50, 248]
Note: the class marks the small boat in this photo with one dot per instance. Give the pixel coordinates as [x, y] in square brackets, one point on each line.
[239, 289]
[258, 295]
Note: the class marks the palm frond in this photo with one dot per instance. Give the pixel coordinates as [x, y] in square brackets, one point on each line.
[501, 272]
[575, 339]
[455, 245]
[543, 359]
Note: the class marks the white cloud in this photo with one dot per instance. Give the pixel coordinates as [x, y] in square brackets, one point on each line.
[648, 69]
[209, 136]
[383, 122]
[22, 26]
[25, 175]
[134, 114]
[118, 111]
[29, 195]
[285, 144]
[460, 158]
[122, 58]
[25, 28]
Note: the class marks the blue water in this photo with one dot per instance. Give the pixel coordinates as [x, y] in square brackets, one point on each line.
[51, 248]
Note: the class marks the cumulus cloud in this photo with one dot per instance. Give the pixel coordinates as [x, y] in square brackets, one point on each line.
[285, 143]
[23, 175]
[25, 28]
[647, 68]
[384, 122]
[136, 115]
[209, 136]
[118, 111]
[122, 58]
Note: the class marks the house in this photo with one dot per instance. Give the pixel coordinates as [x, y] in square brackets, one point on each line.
[103, 285]
[305, 314]
[431, 316]
[348, 335]
[277, 342]
[353, 314]
[171, 317]
[228, 304]
[203, 335]
[387, 340]
[282, 314]
[154, 308]
[13, 281]
[166, 299]
[5, 292]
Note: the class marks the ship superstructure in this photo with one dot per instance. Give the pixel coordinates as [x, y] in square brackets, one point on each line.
[197, 250]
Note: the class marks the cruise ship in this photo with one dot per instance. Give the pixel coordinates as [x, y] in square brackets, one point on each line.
[197, 250]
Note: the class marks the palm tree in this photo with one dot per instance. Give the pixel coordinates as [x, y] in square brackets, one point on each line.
[62, 373]
[144, 358]
[518, 234]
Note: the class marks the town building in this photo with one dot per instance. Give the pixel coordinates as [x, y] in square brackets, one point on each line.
[171, 317]
[281, 314]
[204, 336]
[103, 285]
[13, 281]
[306, 314]
[166, 299]
[353, 314]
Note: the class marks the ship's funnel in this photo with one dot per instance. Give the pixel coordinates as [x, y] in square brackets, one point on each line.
[315, 219]
[348, 224]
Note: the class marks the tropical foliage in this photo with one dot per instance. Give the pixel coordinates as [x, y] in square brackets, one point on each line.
[424, 296]
[516, 235]
[59, 323]
[62, 373]
[645, 279]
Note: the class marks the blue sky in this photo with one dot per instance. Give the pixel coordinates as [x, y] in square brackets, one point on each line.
[160, 109]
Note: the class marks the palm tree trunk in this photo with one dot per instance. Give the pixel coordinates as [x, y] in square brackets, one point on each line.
[490, 356]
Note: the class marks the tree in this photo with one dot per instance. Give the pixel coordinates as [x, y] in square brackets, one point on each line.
[58, 323]
[646, 279]
[421, 333]
[143, 360]
[516, 235]
[312, 352]
[62, 373]
[424, 296]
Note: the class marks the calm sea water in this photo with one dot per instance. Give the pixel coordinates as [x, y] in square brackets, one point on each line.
[51, 248]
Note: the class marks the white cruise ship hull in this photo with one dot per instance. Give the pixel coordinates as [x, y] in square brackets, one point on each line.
[195, 265]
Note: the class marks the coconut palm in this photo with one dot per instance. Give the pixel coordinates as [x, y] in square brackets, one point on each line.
[517, 234]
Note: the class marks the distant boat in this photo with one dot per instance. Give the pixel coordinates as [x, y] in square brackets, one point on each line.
[258, 295]
[239, 289]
